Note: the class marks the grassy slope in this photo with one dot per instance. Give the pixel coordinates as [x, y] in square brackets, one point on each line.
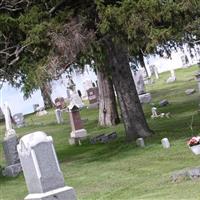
[119, 170]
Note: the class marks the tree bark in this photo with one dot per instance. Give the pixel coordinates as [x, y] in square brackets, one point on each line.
[108, 114]
[131, 110]
[46, 95]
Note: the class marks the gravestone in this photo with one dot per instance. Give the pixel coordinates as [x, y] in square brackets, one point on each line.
[140, 142]
[93, 95]
[172, 78]
[59, 117]
[165, 143]
[1, 114]
[41, 169]
[10, 142]
[19, 120]
[60, 103]
[145, 98]
[164, 102]
[78, 132]
[76, 100]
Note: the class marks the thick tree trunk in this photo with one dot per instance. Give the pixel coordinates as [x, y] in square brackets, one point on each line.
[108, 114]
[46, 95]
[142, 63]
[133, 117]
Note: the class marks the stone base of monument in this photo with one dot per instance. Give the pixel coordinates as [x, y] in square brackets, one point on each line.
[11, 155]
[145, 98]
[12, 170]
[77, 136]
[64, 193]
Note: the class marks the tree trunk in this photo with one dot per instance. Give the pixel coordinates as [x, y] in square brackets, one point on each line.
[133, 117]
[142, 63]
[46, 95]
[108, 114]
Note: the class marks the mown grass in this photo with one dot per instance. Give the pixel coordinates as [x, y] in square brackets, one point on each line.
[120, 170]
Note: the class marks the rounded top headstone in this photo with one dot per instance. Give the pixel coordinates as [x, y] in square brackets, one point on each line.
[31, 140]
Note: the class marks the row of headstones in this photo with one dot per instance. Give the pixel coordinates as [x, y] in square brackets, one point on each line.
[165, 143]
[35, 154]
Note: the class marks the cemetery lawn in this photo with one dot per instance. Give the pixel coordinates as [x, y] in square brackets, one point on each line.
[119, 170]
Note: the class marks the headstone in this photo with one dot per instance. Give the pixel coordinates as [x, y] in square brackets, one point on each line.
[139, 82]
[87, 84]
[172, 78]
[93, 95]
[165, 143]
[41, 169]
[103, 138]
[10, 142]
[60, 103]
[190, 91]
[41, 113]
[19, 120]
[140, 142]
[76, 100]
[145, 98]
[156, 72]
[78, 131]
[59, 117]
[164, 102]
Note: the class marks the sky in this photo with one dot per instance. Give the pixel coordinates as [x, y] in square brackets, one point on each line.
[17, 104]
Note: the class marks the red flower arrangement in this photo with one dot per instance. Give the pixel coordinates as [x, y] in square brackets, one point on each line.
[194, 141]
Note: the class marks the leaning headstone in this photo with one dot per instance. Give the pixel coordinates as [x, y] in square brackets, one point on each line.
[78, 131]
[41, 169]
[164, 102]
[140, 142]
[59, 117]
[165, 143]
[19, 120]
[145, 98]
[10, 142]
[190, 91]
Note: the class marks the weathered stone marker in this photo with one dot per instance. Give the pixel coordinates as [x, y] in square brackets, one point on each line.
[165, 143]
[42, 173]
[59, 117]
[78, 131]
[140, 142]
[93, 97]
[19, 119]
[10, 142]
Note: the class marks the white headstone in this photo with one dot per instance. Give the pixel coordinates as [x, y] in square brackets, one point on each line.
[172, 73]
[9, 130]
[41, 169]
[76, 100]
[87, 84]
[165, 143]
[140, 142]
[59, 117]
[156, 72]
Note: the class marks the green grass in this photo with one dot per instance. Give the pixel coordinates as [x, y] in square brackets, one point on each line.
[118, 170]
